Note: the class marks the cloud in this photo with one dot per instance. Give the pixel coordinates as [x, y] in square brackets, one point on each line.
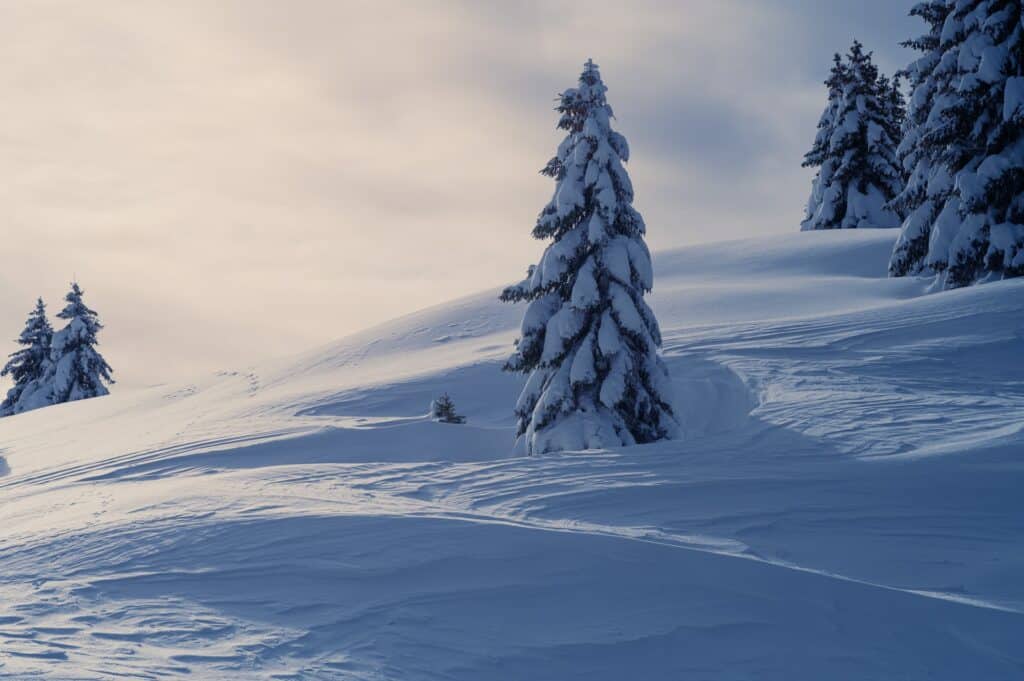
[234, 180]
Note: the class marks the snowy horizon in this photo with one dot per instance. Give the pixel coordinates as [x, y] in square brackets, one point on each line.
[235, 182]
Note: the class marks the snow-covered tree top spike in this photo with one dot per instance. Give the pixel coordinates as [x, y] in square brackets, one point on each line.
[586, 100]
[36, 324]
[75, 308]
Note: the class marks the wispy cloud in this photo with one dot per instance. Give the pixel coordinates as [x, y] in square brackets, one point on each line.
[232, 180]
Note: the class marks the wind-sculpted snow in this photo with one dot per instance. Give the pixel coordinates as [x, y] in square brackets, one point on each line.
[845, 503]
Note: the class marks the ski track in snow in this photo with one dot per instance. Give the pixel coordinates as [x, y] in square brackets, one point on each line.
[846, 503]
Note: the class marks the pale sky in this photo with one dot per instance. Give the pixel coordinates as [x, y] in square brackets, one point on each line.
[233, 181]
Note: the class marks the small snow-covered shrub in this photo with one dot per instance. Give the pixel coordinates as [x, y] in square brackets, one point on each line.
[442, 409]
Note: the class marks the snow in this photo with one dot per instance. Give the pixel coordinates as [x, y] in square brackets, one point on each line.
[625, 312]
[945, 231]
[566, 323]
[585, 293]
[553, 264]
[640, 260]
[608, 339]
[583, 371]
[1006, 238]
[845, 503]
[538, 312]
[613, 388]
[615, 258]
[993, 59]
[1013, 99]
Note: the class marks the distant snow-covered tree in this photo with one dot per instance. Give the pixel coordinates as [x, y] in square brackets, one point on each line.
[28, 366]
[588, 340]
[966, 129]
[443, 409]
[895, 108]
[855, 148]
[77, 370]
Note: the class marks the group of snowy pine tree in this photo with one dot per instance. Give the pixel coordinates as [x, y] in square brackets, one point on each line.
[55, 367]
[948, 168]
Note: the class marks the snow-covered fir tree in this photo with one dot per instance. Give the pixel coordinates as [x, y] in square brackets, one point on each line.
[920, 197]
[28, 366]
[588, 340]
[77, 370]
[855, 148]
[969, 222]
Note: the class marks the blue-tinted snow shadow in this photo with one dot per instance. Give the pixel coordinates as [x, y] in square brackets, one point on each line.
[408, 441]
[419, 595]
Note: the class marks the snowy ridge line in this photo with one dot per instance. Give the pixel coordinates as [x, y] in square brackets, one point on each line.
[881, 376]
[829, 331]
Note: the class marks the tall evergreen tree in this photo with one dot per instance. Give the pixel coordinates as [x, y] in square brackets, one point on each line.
[921, 196]
[78, 371]
[589, 341]
[28, 366]
[969, 225]
[855, 148]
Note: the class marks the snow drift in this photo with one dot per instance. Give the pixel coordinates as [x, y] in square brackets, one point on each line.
[845, 503]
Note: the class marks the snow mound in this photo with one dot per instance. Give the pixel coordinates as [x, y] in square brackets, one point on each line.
[845, 502]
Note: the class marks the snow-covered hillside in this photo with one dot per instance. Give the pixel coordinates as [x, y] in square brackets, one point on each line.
[847, 503]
